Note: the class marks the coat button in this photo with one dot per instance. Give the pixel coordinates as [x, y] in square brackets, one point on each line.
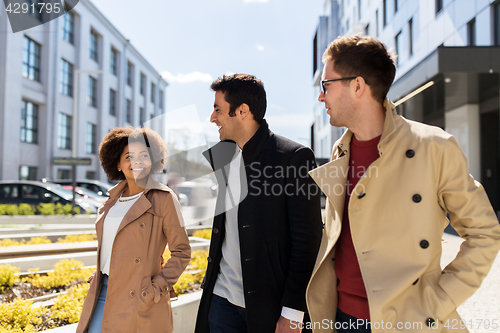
[430, 322]
[424, 244]
[165, 289]
[410, 153]
[362, 195]
[216, 231]
[137, 260]
[417, 198]
[142, 225]
[144, 293]
[209, 259]
[132, 293]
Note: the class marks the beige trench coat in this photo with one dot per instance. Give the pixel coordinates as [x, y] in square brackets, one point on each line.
[133, 304]
[397, 214]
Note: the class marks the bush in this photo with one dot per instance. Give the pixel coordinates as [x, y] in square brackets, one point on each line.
[203, 233]
[8, 209]
[189, 277]
[11, 242]
[38, 240]
[65, 273]
[77, 238]
[46, 209]
[19, 316]
[7, 276]
[26, 209]
[67, 308]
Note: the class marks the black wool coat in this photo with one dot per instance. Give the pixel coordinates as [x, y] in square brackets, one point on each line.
[279, 225]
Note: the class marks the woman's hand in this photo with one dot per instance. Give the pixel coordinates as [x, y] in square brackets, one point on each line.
[91, 277]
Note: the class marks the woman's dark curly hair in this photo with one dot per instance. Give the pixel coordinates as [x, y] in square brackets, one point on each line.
[118, 138]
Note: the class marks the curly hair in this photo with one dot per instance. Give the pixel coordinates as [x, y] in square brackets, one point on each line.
[113, 144]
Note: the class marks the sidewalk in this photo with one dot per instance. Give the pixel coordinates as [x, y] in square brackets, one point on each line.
[483, 308]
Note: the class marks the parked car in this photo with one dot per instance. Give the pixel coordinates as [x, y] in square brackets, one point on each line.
[36, 192]
[86, 193]
[96, 186]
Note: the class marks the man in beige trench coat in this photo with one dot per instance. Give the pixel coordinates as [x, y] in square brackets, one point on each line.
[390, 185]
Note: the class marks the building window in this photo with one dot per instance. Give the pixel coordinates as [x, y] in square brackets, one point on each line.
[153, 91]
[27, 173]
[90, 141]
[376, 23]
[63, 174]
[496, 20]
[471, 32]
[35, 9]
[384, 5]
[31, 59]
[359, 10]
[90, 175]
[141, 117]
[439, 5]
[398, 48]
[92, 92]
[65, 128]
[130, 74]
[142, 86]
[410, 39]
[114, 62]
[69, 27]
[128, 111]
[29, 122]
[367, 29]
[160, 102]
[347, 26]
[112, 102]
[66, 78]
[396, 6]
[93, 45]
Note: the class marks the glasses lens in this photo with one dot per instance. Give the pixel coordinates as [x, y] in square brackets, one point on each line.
[323, 87]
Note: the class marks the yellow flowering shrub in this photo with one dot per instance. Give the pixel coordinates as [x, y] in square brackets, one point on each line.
[8, 276]
[77, 238]
[188, 278]
[38, 240]
[45, 240]
[65, 272]
[68, 307]
[203, 233]
[19, 316]
[11, 242]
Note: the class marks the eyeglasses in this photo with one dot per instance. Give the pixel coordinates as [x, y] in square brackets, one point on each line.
[323, 88]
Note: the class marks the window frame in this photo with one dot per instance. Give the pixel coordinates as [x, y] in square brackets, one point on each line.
[69, 26]
[65, 131]
[94, 45]
[25, 129]
[92, 92]
[90, 139]
[31, 59]
[114, 62]
[112, 102]
[67, 74]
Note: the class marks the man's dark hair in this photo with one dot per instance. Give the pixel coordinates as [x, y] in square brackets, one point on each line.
[366, 57]
[243, 88]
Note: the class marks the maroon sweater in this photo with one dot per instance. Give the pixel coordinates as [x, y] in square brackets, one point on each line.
[350, 286]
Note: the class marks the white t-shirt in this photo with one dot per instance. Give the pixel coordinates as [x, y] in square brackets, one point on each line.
[110, 227]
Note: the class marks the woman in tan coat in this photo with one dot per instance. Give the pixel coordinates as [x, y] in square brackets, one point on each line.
[130, 290]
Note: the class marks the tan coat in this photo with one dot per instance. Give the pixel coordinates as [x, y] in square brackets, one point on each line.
[397, 237]
[133, 304]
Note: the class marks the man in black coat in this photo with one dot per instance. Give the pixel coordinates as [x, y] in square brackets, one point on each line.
[267, 225]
